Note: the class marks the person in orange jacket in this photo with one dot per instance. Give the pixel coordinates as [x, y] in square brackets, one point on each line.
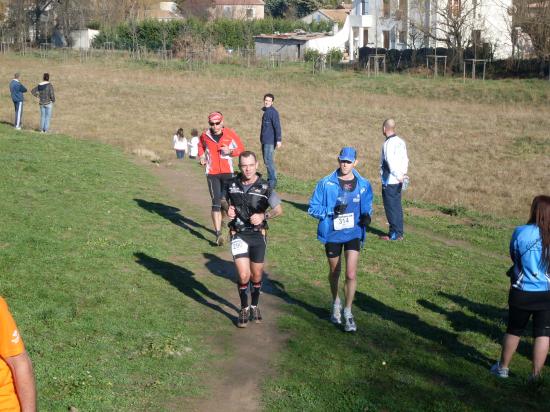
[17, 386]
[217, 146]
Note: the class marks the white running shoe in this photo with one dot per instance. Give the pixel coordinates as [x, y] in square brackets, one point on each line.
[499, 371]
[336, 316]
[349, 325]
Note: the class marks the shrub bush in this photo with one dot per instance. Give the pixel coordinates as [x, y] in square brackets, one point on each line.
[226, 32]
[311, 55]
[335, 55]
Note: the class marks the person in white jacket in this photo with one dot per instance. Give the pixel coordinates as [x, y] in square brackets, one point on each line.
[193, 145]
[180, 144]
[394, 164]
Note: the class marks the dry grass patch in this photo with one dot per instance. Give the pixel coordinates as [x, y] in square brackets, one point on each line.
[491, 157]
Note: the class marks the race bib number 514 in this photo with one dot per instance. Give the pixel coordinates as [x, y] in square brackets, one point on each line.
[345, 221]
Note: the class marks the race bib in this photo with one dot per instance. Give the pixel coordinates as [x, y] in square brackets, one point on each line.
[345, 221]
[238, 247]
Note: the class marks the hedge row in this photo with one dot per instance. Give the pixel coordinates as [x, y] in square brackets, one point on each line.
[402, 60]
[227, 32]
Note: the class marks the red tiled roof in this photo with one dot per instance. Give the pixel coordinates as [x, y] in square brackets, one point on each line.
[337, 15]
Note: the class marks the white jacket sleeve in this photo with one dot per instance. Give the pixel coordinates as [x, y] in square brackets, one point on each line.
[397, 159]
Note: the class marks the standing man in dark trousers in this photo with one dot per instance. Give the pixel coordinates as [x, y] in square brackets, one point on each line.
[16, 91]
[248, 199]
[270, 138]
[393, 170]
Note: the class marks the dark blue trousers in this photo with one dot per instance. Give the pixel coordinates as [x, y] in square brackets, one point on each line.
[391, 196]
[268, 152]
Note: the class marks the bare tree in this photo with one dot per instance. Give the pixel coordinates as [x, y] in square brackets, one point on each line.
[450, 22]
[533, 17]
[195, 8]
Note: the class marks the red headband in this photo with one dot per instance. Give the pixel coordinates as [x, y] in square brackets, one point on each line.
[215, 117]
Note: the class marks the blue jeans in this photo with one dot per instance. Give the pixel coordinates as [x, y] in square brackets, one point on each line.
[180, 154]
[45, 116]
[268, 152]
[391, 196]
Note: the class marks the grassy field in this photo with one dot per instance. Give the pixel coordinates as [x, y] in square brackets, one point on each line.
[105, 288]
[430, 313]
[479, 145]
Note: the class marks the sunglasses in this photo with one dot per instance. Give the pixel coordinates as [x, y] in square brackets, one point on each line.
[213, 123]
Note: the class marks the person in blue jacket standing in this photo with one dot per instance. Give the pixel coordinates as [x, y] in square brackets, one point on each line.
[16, 91]
[342, 201]
[270, 138]
[529, 294]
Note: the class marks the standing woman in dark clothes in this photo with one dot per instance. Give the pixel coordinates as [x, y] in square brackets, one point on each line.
[530, 288]
[44, 91]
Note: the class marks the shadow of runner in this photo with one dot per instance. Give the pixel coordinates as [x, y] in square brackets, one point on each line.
[226, 269]
[185, 282]
[172, 214]
[488, 311]
[300, 206]
[420, 328]
[461, 322]
[220, 267]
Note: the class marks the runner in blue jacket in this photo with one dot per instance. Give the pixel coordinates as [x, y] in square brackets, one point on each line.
[529, 295]
[342, 201]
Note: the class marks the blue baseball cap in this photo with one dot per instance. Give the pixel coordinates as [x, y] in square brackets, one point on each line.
[348, 154]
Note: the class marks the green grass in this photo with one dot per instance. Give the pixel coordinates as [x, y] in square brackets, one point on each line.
[430, 312]
[105, 288]
[103, 285]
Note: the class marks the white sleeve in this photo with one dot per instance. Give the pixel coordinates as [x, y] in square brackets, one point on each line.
[397, 159]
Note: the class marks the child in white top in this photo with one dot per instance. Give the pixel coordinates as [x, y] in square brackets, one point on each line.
[194, 144]
[180, 144]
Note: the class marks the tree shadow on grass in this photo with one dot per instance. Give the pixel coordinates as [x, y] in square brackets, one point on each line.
[422, 329]
[173, 214]
[226, 269]
[185, 281]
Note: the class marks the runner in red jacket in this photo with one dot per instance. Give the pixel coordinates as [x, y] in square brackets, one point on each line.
[217, 146]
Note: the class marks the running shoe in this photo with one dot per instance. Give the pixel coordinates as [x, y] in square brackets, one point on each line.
[243, 318]
[336, 316]
[349, 325]
[499, 371]
[219, 238]
[256, 315]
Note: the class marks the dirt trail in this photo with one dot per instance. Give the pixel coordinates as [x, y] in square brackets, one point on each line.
[233, 383]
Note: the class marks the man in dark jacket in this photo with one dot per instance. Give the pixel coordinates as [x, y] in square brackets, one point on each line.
[16, 91]
[44, 91]
[270, 138]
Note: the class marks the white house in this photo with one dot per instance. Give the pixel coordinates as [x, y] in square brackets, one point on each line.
[82, 39]
[165, 11]
[338, 15]
[398, 24]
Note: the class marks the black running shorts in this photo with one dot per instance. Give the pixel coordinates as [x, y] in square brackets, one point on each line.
[522, 306]
[216, 185]
[250, 245]
[333, 250]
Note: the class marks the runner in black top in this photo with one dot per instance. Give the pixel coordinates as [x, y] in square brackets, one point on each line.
[248, 199]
